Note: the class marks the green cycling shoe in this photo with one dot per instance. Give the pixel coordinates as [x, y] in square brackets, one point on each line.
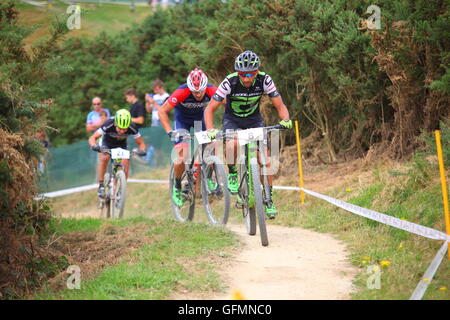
[177, 197]
[271, 211]
[233, 183]
[212, 185]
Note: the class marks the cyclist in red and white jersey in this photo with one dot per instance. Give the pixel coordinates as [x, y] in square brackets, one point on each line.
[189, 102]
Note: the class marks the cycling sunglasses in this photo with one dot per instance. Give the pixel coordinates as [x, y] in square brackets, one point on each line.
[246, 75]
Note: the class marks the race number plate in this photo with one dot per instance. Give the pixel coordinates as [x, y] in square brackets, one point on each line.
[119, 153]
[246, 136]
[202, 137]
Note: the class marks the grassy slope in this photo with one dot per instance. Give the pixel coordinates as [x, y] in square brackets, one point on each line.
[405, 256]
[402, 257]
[176, 259]
[95, 18]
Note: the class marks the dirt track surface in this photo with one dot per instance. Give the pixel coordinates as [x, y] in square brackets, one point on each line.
[298, 264]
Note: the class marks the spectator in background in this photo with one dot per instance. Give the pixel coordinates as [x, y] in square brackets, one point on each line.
[104, 116]
[154, 101]
[94, 120]
[42, 137]
[137, 109]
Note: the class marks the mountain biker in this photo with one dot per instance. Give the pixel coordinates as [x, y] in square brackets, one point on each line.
[189, 101]
[243, 91]
[115, 133]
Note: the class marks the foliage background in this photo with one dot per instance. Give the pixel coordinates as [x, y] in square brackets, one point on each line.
[353, 89]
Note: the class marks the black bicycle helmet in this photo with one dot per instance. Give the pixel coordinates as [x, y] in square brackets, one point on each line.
[247, 61]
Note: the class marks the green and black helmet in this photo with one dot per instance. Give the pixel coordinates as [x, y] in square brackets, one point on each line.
[122, 119]
[247, 61]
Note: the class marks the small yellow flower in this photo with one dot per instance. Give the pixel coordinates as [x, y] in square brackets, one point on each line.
[367, 258]
[404, 219]
[348, 190]
[443, 288]
[385, 263]
[236, 295]
[426, 279]
[364, 262]
[401, 246]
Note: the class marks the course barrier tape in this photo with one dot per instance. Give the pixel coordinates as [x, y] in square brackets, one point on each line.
[370, 214]
[147, 181]
[377, 216]
[64, 192]
[429, 274]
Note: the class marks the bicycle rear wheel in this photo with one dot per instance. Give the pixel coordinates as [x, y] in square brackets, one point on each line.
[259, 206]
[118, 196]
[215, 194]
[186, 211]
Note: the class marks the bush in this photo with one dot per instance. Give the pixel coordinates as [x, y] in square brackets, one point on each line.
[23, 221]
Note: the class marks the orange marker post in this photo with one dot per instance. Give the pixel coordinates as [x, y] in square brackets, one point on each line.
[444, 184]
[300, 168]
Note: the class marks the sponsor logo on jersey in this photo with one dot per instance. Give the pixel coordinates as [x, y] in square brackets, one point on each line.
[117, 136]
[268, 81]
[174, 100]
[194, 105]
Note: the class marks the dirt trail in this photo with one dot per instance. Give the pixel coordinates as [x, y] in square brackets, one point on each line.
[298, 264]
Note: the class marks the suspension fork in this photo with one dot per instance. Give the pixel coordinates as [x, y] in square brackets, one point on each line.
[264, 174]
[251, 151]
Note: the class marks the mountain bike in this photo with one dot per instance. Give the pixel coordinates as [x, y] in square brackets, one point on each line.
[252, 193]
[115, 183]
[205, 178]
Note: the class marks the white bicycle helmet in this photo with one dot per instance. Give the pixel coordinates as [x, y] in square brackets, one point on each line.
[197, 80]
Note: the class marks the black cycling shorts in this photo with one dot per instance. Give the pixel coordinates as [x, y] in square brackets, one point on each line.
[234, 123]
[122, 145]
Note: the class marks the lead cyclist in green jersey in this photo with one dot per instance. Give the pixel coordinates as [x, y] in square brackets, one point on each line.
[243, 91]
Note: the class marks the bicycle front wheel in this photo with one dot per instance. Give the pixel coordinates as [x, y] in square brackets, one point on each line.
[259, 206]
[215, 194]
[248, 213]
[186, 211]
[118, 196]
[105, 203]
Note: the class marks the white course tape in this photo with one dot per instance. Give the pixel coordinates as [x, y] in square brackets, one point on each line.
[147, 181]
[66, 191]
[429, 274]
[384, 218]
[370, 214]
[377, 216]
[34, 3]
[287, 188]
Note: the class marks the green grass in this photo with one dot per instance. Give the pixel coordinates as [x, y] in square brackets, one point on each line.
[372, 243]
[95, 18]
[61, 226]
[181, 257]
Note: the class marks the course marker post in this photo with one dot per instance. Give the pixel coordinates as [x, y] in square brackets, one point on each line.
[444, 184]
[300, 168]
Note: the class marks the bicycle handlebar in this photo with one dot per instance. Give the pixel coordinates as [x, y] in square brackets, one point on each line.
[225, 134]
[108, 151]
